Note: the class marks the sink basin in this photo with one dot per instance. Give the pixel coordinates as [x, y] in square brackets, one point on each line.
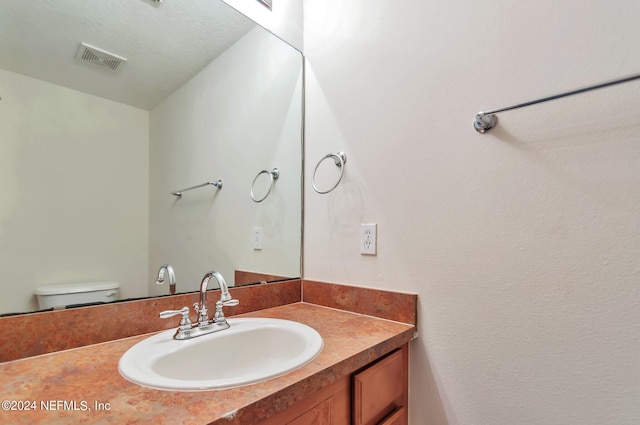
[251, 350]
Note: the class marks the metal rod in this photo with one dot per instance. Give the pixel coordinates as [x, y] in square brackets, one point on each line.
[267, 3]
[217, 184]
[486, 120]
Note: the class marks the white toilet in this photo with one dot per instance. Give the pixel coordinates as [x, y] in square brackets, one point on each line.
[65, 294]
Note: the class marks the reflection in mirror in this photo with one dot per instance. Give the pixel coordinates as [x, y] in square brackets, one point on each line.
[89, 157]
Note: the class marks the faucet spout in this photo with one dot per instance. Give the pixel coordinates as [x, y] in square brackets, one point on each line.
[172, 277]
[225, 298]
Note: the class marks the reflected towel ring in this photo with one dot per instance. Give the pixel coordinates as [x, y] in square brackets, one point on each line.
[340, 159]
[273, 175]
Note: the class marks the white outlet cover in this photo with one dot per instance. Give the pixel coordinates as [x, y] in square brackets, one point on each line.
[368, 239]
[257, 238]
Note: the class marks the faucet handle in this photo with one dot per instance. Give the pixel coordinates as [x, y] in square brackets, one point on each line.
[185, 321]
[218, 317]
[230, 303]
[170, 313]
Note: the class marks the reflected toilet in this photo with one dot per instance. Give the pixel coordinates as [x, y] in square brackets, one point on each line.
[65, 294]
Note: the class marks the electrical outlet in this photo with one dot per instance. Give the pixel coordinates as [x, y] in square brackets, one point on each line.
[368, 239]
[257, 238]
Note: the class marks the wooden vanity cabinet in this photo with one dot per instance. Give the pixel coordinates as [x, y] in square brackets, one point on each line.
[375, 395]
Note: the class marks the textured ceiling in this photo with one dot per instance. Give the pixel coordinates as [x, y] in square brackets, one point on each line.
[164, 44]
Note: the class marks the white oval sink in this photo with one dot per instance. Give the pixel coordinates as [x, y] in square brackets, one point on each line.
[251, 350]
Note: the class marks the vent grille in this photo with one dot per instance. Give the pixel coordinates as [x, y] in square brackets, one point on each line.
[99, 57]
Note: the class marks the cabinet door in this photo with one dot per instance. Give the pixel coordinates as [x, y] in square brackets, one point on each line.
[380, 391]
[321, 414]
[333, 411]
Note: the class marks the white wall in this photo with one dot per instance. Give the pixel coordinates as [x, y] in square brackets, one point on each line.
[523, 244]
[284, 19]
[65, 216]
[240, 115]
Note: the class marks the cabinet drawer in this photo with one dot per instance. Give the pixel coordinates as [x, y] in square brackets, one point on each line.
[396, 418]
[319, 415]
[329, 406]
[379, 391]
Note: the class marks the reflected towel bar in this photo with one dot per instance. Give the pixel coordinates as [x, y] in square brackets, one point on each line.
[217, 184]
[486, 120]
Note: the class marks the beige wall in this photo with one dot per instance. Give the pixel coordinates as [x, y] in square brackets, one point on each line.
[65, 216]
[239, 115]
[523, 244]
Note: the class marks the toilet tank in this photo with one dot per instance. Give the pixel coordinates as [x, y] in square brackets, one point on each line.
[64, 294]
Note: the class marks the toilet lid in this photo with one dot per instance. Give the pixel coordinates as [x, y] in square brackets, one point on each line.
[71, 288]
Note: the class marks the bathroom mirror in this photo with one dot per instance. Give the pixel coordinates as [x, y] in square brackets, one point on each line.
[95, 137]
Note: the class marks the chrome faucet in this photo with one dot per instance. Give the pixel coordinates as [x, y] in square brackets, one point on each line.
[225, 300]
[188, 330]
[172, 277]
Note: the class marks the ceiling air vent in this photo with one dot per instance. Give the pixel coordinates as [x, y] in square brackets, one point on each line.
[102, 58]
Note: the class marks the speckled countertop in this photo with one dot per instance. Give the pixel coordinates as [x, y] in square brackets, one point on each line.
[86, 387]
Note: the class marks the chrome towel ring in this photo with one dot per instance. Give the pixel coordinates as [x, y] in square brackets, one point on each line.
[273, 175]
[340, 159]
